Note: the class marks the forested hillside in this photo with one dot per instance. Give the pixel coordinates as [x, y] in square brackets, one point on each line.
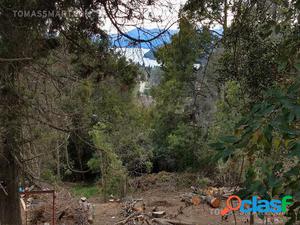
[221, 107]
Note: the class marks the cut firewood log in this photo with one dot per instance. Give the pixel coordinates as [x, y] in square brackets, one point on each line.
[212, 201]
[158, 214]
[196, 200]
[187, 198]
[209, 192]
[23, 204]
[142, 208]
[193, 199]
[226, 195]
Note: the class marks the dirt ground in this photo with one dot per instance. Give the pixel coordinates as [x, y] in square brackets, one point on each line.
[168, 200]
[162, 192]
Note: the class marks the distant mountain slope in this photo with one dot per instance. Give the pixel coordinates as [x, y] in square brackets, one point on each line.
[120, 41]
[137, 55]
[143, 53]
[150, 54]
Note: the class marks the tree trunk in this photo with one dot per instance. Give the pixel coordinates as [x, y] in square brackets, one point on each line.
[10, 128]
[9, 197]
[58, 162]
[251, 218]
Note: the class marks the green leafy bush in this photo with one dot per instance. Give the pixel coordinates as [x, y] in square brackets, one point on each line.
[87, 191]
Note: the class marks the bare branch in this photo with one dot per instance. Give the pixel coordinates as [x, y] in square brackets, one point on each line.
[114, 22]
[15, 59]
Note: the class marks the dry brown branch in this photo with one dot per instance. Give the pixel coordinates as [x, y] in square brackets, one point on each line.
[15, 59]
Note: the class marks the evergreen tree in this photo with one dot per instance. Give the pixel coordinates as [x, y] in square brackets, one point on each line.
[178, 135]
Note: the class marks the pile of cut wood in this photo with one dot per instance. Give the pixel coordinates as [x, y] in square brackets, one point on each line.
[38, 210]
[211, 196]
[136, 212]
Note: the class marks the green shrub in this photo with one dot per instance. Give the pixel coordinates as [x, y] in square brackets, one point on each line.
[49, 176]
[87, 191]
[203, 182]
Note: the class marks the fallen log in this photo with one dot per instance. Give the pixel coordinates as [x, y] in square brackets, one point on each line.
[122, 222]
[212, 201]
[23, 204]
[158, 214]
[187, 198]
[196, 200]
